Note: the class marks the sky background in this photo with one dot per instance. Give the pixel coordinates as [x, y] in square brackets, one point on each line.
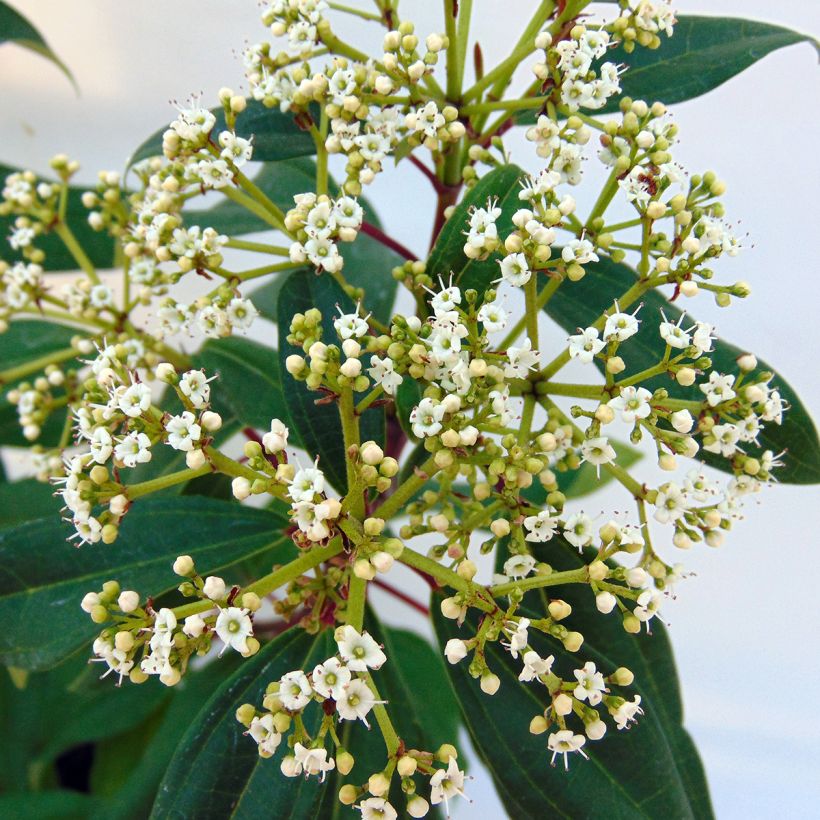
[744, 627]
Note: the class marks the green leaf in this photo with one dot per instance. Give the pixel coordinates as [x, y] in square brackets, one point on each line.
[25, 341]
[98, 245]
[318, 425]
[216, 772]
[90, 709]
[275, 135]
[43, 579]
[579, 304]
[249, 383]
[448, 256]
[14, 28]
[56, 804]
[142, 755]
[27, 499]
[650, 771]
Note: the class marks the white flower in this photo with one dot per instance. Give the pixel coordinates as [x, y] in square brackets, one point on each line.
[445, 300]
[620, 326]
[445, 785]
[383, 372]
[540, 527]
[519, 566]
[632, 403]
[377, 808]
[195, 387]
[564, 742]
[626, 712]
[133, 449]
[493, 317]
[718, 389]
[183, 431]
[307, 482]
[522, 360]
[591, 684]
[670, 504]
[682, 421]
[313, 761]
[597, 451]
[330, 678]
[535, 666]
[356, 701]
[101, 445]
[515, 270]
[426, 418]
[264, 733]
[234, 627]
[194, 626]
[578, 530]
[673, 334]
[648, 604]
[585, 345]
[135, 400]
[726, 437]
[350, 325]
[294, 690]
[360, 652]
[580, 251]
[165, 623]
[702, 338]
[518, 635]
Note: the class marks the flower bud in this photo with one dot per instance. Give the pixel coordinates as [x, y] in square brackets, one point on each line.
[378, 784]
[747, 362]
[241, 488]
[500, 527]
[407, 766]
[667, 462]
[598, 570]
[184, 566]
[559, 610]
[595, 730]
[605, 602]
[345, 762]
[636, 577]
[622, 677]
[573, 641]
[382, 561]
[371, 453]
[211, 421]
[451, 608]
[194, 459]
[562, 704]
[467, 569]
[685, 377]
[490, 683]
[124, 641]
[682, 421]
[455, 650]
[445, 752]
[128, 600]
[538, 725]
[89, 601]
[417, 806]
[290, 768]
[214, 588]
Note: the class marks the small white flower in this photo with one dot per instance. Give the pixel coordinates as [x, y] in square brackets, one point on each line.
[234, 627]
[356, 701]
[426, 418]
[515, 270]
[383, 372]
[183, 431]
[264, 733]
[564, 742]
[521, 360]
[377, 808]
[632, 403]
[718, 389]
[330, 678]
[591, 684]
[360, 652]
[519, 566]
[597, 451]
[133, 449]
[135, 400]
[294, 690]
[493, 317]
[313, 761]
[578, 530]
[620, 326]
[540, 527]
[307, 482]
[195, 387]
[446, 784]
[585, 345]
[626, 712]
[535, 666]
[350, 325]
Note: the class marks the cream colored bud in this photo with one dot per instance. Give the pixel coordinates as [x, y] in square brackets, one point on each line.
[362, 568]
[538, 725]
[562, 704]
[184, 566]
[490, 683]
[681, 540]
[500, 527]
[478, 368]
[595, 730]
[450, 438]
[682, 421]
[547, 442]
[214, 588]
[622, 676]
[573, 641]
[450, 608]
[689, 288]
[615, 365]
[241, 488]
[747, 362]
[559, 610]
[251, 601]
[655, 210]
[605, 414]
[467, 570]
[667, 462]
[294, 364]
[371, 454]
[440, 522]
[128, 600]
[378, 784]
[373, 526]
[170, 676]
[714, 538]
[124, 641]
[451, 403]
[382, 561]
[194, 459]
[685, 376]
[598, 570]
[89, 601]
[417, 806]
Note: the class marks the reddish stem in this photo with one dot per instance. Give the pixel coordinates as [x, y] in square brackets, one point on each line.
[434, 180]
[381, 236]
[402, 596]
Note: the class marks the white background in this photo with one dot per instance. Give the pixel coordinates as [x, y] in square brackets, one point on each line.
[745, 627]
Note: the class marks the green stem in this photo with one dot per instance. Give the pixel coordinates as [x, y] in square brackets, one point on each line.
[164, 481]
[356, 597]
[23, 370]
[259, 247]
[70, 241]
[464, 17]
[453, 84]
[546, 294]
[573, 576]
[310, 559]
[391, 738]
[253, 206]
[365, 15]
[406, 491]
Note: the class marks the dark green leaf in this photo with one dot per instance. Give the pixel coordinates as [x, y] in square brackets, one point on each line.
[275, 135]
[57, 804]
[43, 579]
[318, 425]
[14, 28]
[216, 772]
[579, 304]
[98, 245]
[90, 709]
[25, 500]
[650, 771]
[448, 256]
[26, 341]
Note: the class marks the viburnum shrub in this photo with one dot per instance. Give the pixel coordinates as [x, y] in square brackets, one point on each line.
[232, 506]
